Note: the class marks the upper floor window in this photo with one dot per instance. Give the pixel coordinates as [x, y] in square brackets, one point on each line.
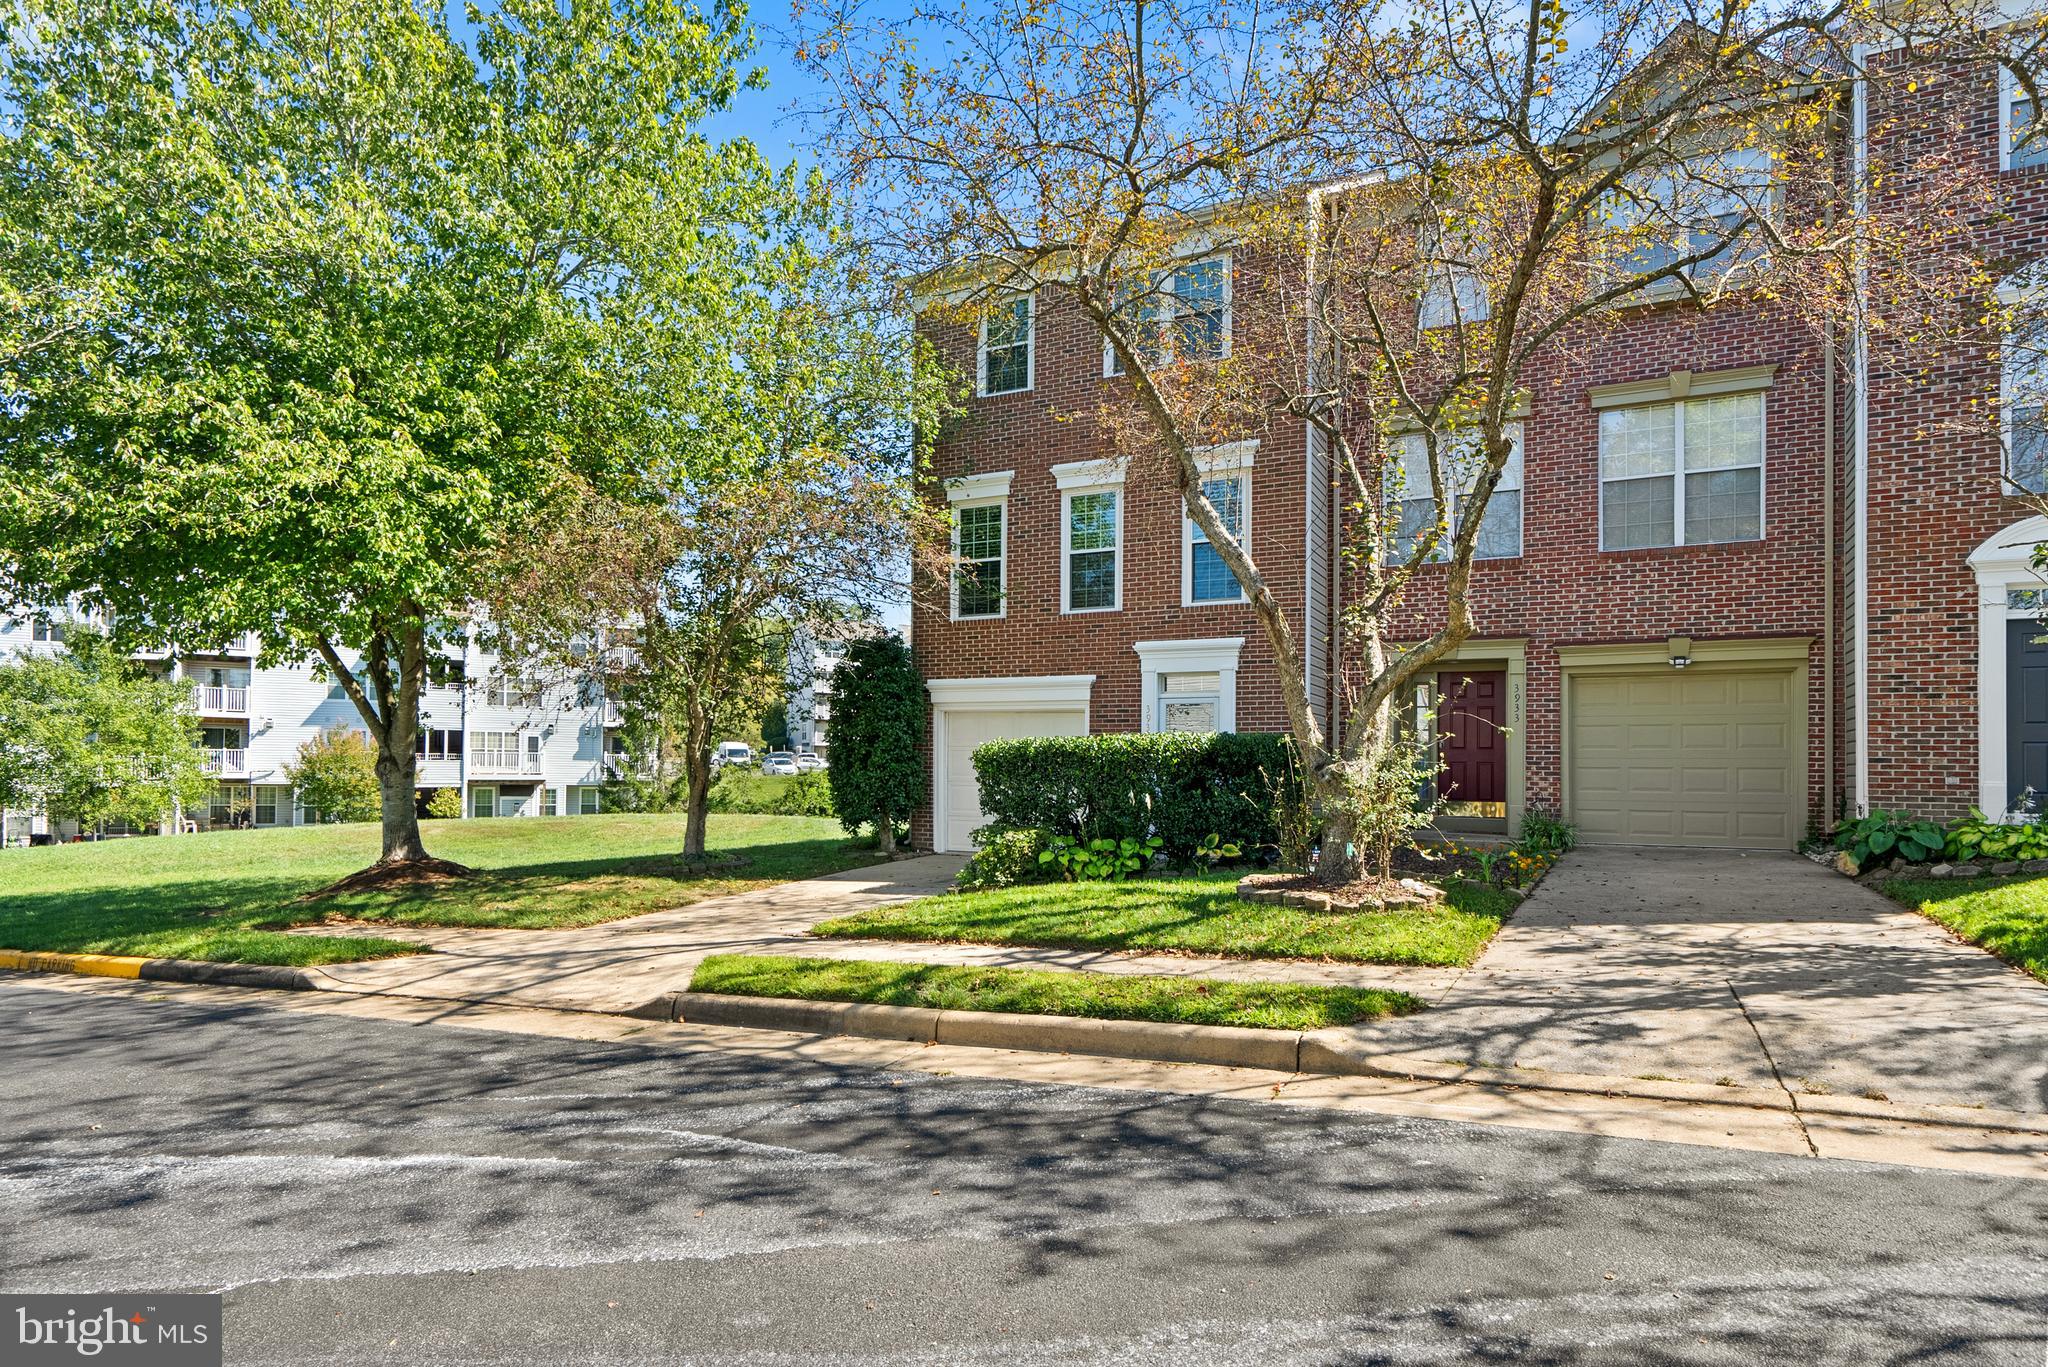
[1682, 474]
[1184, 316]
[2025, 425]
[46, 629]
[1411, 500]
[1006, 363]
[978, 540]
[1208, 579]
[1091, 536]
[2021, 144]
[1698, 207]
[506, 691]
[1452, 289]
[435, 743]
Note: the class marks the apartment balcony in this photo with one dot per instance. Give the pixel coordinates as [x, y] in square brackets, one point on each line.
[239, 645]
[220, 701]
[504, 766]
[613, 714]
[227, 763]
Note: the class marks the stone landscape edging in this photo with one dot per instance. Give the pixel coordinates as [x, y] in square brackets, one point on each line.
[1279, 1051]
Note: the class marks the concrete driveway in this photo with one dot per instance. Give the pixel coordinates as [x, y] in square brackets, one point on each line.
[1764, 969]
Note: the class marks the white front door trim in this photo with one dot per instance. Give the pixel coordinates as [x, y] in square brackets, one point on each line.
[2004, 562]
[1033, 693]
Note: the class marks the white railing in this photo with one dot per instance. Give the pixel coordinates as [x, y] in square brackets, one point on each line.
[488, 762]
[212, 699]
[226, 761]
[613, 716]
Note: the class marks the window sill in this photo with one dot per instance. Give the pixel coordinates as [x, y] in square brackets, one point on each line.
[1089, 612]
[1001, 393]
[1656, 552]
[1236, 602]
[979, 617]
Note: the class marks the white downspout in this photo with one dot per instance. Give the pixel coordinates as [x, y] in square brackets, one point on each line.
[1860, 590]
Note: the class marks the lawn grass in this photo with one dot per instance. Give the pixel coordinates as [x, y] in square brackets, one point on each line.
[2007, 916]
[1200, 915]
[222, 895]
[1104, 996]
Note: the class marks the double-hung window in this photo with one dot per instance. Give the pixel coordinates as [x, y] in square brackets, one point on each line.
[1091, 538]
[2025, 405]
[1682, 474]
[1452, 290]
[1411, 498]
[1183, 315]
[1006, 364]
[1208, 579]
[978, 562]
[1696, 207]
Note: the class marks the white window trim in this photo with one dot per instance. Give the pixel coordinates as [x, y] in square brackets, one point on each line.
[2009, 93]
[1109, 370]
[1216, 655]
[1067, 497]
[1242, 474]
[1762, 468]
[981, 388]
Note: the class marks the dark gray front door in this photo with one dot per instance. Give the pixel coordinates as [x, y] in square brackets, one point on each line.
[2026, 702]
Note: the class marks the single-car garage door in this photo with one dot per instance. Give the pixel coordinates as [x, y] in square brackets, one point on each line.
[1686, 757]
[959, 795]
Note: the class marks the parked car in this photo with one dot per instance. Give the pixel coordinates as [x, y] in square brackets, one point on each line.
[809, 764]
[780, 762]
[732, 752]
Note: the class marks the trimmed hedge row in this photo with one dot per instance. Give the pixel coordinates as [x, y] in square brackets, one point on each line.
[1175, 786]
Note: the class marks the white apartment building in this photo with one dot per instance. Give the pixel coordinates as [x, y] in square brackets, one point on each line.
[510, 746]
[808, 713]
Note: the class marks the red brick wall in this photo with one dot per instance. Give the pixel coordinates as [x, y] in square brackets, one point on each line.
[1564, 590]
[1934, 486]
[1055, 423]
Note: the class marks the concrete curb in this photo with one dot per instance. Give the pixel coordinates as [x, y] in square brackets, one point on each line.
[1279, 1051]
[273, 976]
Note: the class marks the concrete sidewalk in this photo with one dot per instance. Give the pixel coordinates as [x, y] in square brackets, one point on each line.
[1760, 968]
[1754, 970]
[624, 964]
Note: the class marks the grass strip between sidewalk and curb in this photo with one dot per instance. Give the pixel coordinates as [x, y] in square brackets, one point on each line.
[1199, 915]
[1042, 992]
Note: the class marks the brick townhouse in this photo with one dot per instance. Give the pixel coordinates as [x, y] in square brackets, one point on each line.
[1738, 582]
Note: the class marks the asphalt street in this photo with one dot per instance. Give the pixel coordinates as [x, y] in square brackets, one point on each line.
[372, 1192]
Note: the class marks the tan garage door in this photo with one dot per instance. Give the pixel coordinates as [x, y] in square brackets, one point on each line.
[1686, 757]
[959, 798]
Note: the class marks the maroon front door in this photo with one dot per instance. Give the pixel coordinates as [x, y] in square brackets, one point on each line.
[1471, 714]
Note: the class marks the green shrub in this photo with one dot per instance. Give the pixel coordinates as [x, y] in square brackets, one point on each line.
[1004, 858]
[1546, 832]
[1180, 788]
[335, 775]
[737, 790]
[1977, 836]
[445, 804]
[1884, 835]
[1096, 860]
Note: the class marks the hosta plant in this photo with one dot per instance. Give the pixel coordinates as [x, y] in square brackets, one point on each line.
[1114, 860]
[1977, 836]
[1887, 835]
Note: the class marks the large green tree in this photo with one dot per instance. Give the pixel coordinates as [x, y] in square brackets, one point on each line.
[88, 736]
[323, 312]
[878, 710]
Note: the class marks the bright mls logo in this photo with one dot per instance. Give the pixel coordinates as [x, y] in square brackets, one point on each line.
[164, 1331]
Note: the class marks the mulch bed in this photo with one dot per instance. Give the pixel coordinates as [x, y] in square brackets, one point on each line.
[399, 873]
[1366, 894]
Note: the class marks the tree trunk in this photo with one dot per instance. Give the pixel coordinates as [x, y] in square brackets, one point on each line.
[885, 833]
[1338, 862]
[697, 812]
[401, 817]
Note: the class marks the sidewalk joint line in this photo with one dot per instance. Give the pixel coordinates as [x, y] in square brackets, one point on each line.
[1798, 1116]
